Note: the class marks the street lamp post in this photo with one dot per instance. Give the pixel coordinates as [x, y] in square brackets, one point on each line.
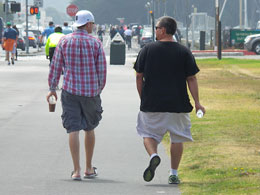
[218, 30]
[187, 25]
[6, 10]
[148, 7]
[26, 28]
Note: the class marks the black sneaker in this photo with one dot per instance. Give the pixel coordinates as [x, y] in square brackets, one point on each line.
[173, 179]
[150, 170]
[12, 61]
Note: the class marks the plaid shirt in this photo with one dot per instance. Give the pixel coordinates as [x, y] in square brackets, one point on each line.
[82, 58]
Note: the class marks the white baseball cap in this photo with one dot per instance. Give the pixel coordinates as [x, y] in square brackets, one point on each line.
[83, 17]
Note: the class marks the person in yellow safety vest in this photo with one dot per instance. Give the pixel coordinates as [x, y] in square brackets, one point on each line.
[52, 42]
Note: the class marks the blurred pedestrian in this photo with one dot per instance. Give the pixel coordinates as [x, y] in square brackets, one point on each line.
[112, 32]
[100, 33]
[9, 42]
[121, 32]
[16, 53]
[84, 62]
[52, 42]
[47, 31]
[66, 29]
[128, 37]
[164, 69]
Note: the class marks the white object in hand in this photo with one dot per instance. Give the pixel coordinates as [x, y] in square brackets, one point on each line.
[52, 100]
[200, 113]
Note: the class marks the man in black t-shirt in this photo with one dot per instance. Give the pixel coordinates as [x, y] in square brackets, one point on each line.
[164, 68]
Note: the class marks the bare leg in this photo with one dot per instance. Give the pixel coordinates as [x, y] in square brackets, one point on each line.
[7, 56]
[89, 149]
[150, 145]
[176, 154]
[74, 149]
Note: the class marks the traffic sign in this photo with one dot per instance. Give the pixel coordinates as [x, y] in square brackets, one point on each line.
[72, 10]
[38, 16]
[38, 3]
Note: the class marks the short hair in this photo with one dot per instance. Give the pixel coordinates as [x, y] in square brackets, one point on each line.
[168, 23]
[65, 24]
[51, 23]
[58, 29]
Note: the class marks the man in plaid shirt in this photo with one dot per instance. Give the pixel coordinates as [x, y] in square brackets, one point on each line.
[82, 58]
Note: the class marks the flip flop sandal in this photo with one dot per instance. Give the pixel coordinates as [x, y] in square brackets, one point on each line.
[75, 177]
[150, 170]
[91, 175]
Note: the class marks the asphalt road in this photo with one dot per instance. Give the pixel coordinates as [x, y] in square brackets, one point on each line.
[34, 150]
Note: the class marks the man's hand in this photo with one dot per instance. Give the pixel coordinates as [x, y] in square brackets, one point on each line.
[50, 94]
[198, 106]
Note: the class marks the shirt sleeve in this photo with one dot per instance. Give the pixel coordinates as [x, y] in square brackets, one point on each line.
[101, 67]
[44, 33]
[47, 47]
[191, 67]
[140, 61]
[56, 67]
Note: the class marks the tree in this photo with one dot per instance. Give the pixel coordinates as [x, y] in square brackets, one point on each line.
[2, 14]
[58, 17]
[106, 11]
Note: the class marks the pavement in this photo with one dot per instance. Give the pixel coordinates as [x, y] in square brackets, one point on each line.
[35, 157]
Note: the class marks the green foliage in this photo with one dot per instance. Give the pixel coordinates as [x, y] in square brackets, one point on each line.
[58, 17]
[106, 11]
[9, 17]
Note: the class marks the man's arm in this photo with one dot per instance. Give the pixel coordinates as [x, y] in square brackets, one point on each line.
[101, 67]
[139, 83]
[194, 90]
[55, 68]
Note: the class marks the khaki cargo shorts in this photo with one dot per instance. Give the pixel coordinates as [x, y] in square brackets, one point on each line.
[156, 124]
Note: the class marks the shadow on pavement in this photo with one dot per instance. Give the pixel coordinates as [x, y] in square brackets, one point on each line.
[96, 180]
[162, 185]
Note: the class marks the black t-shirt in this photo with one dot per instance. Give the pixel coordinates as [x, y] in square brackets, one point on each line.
[165, 66]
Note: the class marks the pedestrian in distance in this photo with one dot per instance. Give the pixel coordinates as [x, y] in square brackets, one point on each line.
[128, 37]
[66, 29]
[83, 60]
[16, 53]
[52, 42]
[164, 70]
[47, 31]
[9, 41]
[100, 33]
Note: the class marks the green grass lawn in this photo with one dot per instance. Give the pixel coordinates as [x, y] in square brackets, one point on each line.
[225, 155]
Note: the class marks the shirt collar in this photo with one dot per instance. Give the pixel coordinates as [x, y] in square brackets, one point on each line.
[81, 31]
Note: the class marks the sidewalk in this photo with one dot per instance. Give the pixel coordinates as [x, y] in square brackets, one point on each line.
[227, 52]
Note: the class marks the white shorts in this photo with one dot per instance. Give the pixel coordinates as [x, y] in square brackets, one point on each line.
[156, 124]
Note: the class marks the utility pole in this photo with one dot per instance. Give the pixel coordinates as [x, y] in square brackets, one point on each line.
[26, 28]
[246, 20]
[6, 10]
[152, 15]
[218, 31]
[187, 25]
[240, 14]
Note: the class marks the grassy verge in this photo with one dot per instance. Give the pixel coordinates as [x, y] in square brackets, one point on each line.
[225, 156]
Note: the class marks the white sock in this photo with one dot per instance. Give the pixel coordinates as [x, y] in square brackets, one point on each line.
[153, 155]
[174, 172]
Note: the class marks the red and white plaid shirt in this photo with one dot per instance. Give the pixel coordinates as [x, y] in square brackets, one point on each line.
[83, 60]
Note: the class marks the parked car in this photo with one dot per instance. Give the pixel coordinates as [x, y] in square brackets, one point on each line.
[147, 37]
[252, 43]
[31, 38]
[20, 43]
